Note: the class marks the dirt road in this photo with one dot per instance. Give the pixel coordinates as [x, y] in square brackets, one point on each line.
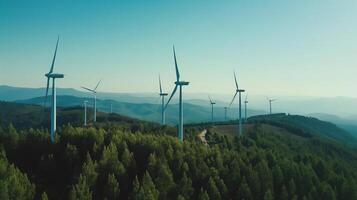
[202, 136]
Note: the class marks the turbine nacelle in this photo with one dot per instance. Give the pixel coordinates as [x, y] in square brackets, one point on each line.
[240, 90]
[182, 83]
[54, 75]
[163, 94]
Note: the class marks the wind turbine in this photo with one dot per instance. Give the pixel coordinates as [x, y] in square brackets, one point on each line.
[245, 107]
[179, 84]
[270, 101]
[239, 92]
[85, 112]
[53, 76]
[162, 95]
[94, 92]
[212, 103]
[225, 113]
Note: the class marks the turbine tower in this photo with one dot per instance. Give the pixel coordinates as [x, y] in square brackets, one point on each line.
[162, 95]
[53, 76]
[239, 92]
[94, 92]
[270, 101]
[212, 103]
[225, 113]
[245, 107]
[179, 84]
[85, 113]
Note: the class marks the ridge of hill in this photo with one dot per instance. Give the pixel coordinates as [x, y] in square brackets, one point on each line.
[145, 111]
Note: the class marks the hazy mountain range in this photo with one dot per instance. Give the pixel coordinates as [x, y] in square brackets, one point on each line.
[339, 110]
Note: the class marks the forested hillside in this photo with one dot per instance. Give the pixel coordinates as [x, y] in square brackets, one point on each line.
[307, 125]
[125, 158]
[113, 162]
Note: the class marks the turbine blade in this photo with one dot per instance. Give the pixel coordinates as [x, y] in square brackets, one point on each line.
[172, 94]
[97, 85]
[160, 84]
[176, 67]
[233, 99]
[88, 89]
[235, 79]
[48, 84]
[54, 57]
[210, 100]
[246, 97]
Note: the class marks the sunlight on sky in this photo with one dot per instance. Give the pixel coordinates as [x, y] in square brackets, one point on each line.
[281, 47]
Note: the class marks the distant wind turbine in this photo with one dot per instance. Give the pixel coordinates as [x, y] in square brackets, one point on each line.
[212, 104]
[239, 92]
[179, 84]
[85, 113]
[225, 113]
[94, 92]
[270, 101]
[53, 76]
[245, 107]
[162, 95]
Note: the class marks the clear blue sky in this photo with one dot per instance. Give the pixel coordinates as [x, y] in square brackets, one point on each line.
[280, 47]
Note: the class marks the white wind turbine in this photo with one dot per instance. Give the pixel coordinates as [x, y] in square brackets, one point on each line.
[212, 104]
[270, 101]
[245, 107]
[85, 112]
[53, 76]
[94, 92]
[239, 92]
[225, 113]
[162, 95]
[179, 84]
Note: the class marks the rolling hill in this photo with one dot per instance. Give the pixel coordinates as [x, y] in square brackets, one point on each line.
[307, 125]
[145, 111]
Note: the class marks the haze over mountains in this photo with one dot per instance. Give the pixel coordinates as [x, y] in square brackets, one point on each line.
[344, 108]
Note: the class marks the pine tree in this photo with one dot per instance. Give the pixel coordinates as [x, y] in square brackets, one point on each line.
[164, 179]
[110, 162]
[326, 192]
[265, 176]
[268, 195]
[291, 188]
[244, 190]
[180, 197]
[4, 192]
[81, 190]
[278, 178]
[203, 195]
[254, 183]
[148, 187]
[184, 187]
[212, 190]
[44, 196]
[284, 193]
[89, 171]
[112, 188]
